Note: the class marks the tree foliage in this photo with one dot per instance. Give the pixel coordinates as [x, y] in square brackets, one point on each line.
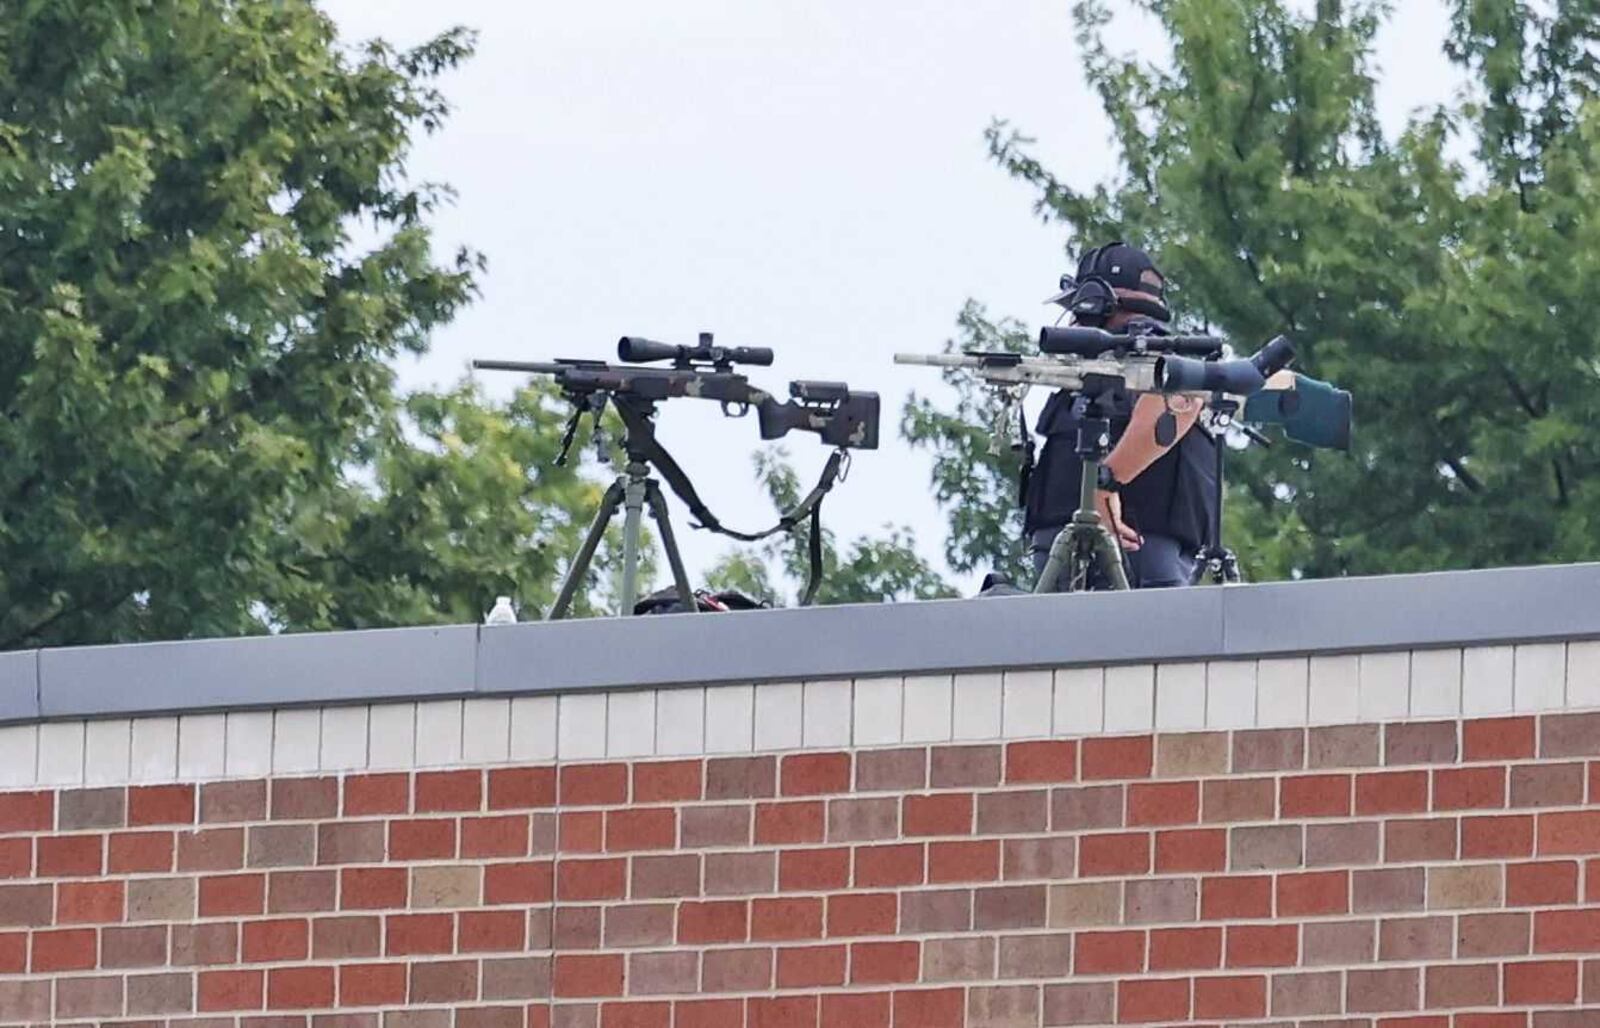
[1450, 294]
[200, 429]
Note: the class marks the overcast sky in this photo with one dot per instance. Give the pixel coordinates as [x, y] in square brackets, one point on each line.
[808, 175]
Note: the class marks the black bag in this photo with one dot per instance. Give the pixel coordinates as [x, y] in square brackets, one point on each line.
[666, 601]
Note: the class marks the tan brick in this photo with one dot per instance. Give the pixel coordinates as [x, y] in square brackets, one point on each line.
[210, 944]
[1003, 1006]
[716, 826]
[1387, 890]
[1342, 845]
[1035, 956]
[1461, 888]
[864, 820]
[1076, 808]
[638, 924]
[576, 928]
[1080, 1004]
[657, 974]
[160, 994]
[1416, 938]
[1337, 942]
[1052, 858]
[161, 899]
[1421, 742]
[81, 809]
[1547, 785]
[131, 947]
[88, 997]
[736, 970]
[1375, 991]
[1342, 746]
[29, 905]
[282, 846]
[1307, 993]
[964, 766]
[1085, 905]
[446, 886]
[1013, 812]
[878, 770]
[516, 978]
[1569, 735]
[1462, 985]
[1263, 847]
[958, 960]
[941, 910]
[25, 1001]
[729, 778]
[1493, 935]
[1269, 749]
[1192, 754]
[1160, 901]
[740, 874]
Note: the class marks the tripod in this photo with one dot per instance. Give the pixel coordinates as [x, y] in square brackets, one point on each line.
[1085, 543]
[632, 490]
[1215, 560]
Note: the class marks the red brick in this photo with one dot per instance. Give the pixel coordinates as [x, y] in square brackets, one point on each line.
[504, 835]
[857, 1010]
[927, 1008]
[649, 828]
[27, 812]
[89, 902]
[1462, 985]
[371, 985]
[888, 866]
[941, 814]
[704, 1013]
[861, 914]
[422, 840]
[627, 1015]
[884, 963]
[365, 795]
[1469, 788]
[667, 781]
[376, 888]
[1498, 738]
[1116, 758]
[806, 967]
[1163, 803]
[594, 785]
[71, 949]
[1317, 892]
[438, 791]
[813, 870]
[1541, 982]
[1549, 883]
[522, 883]
[1142, 1001]
[800, 822]
[1411, 841]
[1575, 832]
[1185, 949]
[294, 988]
[62, 856]
[14, 952]
[265, 942]
[233, 895]
[1124, 853]
[975, 861]
[1108, 953]
[1392, 792]
[1263, 945]
[1315, 796]
[522, 788]
[815, 774]
[1051, 761]
[413, 934]
[160, 805]
[1200, 849]
[231, 990]
[485, 931]
[714, 921]
[1230, 997]
[1497, 836]
[587, 975]
[1493, 935]
[591, 879]
[774, 920]
[581, 832]
[1566, 931]
[16, 857]
[1234, 897]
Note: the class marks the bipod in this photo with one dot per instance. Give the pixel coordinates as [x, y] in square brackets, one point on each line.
[1085, 544]
[632, 491]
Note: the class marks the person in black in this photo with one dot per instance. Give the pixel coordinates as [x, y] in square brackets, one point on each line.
[1155, 498]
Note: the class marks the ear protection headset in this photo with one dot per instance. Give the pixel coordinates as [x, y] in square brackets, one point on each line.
[1091, 297]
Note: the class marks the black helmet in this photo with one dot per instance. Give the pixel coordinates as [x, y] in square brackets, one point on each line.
[1091, 295]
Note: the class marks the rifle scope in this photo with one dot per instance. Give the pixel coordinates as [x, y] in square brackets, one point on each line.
[638, 350]
[1082, 341]
[1240, 376]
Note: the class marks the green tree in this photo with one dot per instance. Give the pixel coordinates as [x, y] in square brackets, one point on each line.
[869, 570]
[1451, 296]
[201, 433]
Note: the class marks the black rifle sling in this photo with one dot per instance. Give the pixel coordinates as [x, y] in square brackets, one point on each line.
[811, 506]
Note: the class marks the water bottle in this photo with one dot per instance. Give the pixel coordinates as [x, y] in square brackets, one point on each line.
[502, 614]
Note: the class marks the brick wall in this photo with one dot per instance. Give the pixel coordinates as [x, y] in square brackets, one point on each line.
[1408, 874]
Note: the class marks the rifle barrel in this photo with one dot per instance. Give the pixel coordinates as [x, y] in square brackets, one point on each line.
[530, 367]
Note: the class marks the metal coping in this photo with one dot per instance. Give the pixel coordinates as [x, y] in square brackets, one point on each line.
[1338, 615]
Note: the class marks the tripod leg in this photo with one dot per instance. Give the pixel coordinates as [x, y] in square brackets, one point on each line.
[633, 510]
[669, 543]
[1108, 556]
[1055, 562]
[591, 542]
